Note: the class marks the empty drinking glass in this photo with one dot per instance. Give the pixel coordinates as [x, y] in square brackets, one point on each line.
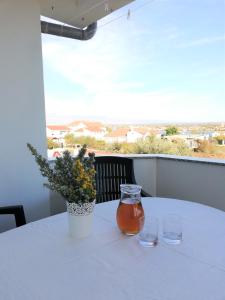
[172, 229]
[148, 237]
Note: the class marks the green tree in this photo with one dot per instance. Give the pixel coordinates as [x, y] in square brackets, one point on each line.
[219, 139]
[100, 145]
[207, 147]
[116, 147]
[52, 144]
[90, 141]
[172, 130]
[153, 145]
[70, 140]
[87, 140]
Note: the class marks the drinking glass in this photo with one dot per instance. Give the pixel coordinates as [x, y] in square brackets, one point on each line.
[172, 229]
[148, 237]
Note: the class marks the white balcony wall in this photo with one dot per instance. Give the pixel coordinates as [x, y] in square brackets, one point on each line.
[193, 180]
[145, 170]
[197, 180]
[22, 112]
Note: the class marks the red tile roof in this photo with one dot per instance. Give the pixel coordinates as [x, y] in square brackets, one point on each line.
[94, 127]
[80, 130]
[58, 127]
[118, 132]
[74, 123]
[89, 125]
[141, 130]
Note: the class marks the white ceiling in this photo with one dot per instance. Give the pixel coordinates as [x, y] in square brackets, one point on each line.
[79, 13]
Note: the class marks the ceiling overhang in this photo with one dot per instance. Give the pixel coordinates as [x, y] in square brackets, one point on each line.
[79, 13]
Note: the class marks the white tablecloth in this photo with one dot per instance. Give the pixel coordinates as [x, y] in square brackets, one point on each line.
[41, 262]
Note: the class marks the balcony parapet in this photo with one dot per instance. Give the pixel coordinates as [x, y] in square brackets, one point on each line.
[193, 179]
[175, 157]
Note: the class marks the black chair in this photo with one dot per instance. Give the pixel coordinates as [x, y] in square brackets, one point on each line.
[17, 211]
[111, 171]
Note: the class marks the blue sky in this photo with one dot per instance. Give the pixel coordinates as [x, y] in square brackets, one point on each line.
[166, 63]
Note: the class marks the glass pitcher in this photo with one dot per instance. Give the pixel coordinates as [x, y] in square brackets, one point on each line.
[130, 213]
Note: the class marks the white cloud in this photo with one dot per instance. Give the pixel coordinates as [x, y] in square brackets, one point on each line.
[97, 67]
[171, 32]
[128, 107]
[89, 67]
[202, 41]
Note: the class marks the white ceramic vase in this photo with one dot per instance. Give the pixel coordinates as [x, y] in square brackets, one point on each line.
[80, 219]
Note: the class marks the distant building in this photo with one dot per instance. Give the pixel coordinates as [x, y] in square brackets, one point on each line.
[117, 136]
[88, 128]
[57, 133]
[125, 135]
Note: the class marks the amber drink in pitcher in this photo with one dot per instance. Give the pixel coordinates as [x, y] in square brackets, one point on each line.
[130, 213]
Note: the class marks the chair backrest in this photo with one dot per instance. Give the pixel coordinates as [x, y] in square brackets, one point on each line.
[111, 171]
[17, 211]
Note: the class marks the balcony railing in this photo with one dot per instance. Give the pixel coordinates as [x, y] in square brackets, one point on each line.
[186, 178]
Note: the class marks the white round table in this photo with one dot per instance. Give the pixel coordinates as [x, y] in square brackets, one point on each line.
[40, 261]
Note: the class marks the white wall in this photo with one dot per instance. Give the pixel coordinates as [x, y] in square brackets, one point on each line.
[57, 203]
[197, 180]
[192, 181]
[145, 170]
[22, 111]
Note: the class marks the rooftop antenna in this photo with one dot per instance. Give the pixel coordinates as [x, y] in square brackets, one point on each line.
[128, 14]
[106, 6]
[52, 6]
